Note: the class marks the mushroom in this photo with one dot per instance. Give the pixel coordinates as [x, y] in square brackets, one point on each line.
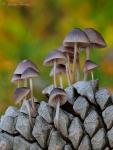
[46, 91]
[57, 98]
[20, 95]
[69, 53]
[76, 39]
[60, 69]
[30, 73]
[56, 57]
[96, 40]
[88, 68]
[16, 78]
[22, 66]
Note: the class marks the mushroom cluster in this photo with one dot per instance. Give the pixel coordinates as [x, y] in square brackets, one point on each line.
[25, 72]
[66, 60]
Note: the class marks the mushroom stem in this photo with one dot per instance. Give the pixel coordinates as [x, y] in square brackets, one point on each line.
[25, 82]
[68, 63]
[74, 61]
[68, 77]
[61, 81]
[31, 88]
[78, 66]
[18, 84]
[56, 119]
[85, 76]
[29, 110]
[25, 85]
[54, 76]
[92, 75]
[87, 53]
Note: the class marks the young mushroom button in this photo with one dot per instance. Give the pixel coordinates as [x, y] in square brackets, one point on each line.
[58, 97]
[76, 39]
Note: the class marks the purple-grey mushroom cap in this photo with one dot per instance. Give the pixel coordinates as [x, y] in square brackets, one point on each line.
[76, 36]
[95, 38]
[57, 94]
[89, 65]
[21, 93]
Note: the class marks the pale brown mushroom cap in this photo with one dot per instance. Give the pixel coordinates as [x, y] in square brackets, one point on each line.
[89, 65]
[95, 38]
[20, 93]
[46, 91]
[16, 77]
[29, 73]
[57, 94]
[60, 69]
[57, 56]
[76, 36]
[22, 66]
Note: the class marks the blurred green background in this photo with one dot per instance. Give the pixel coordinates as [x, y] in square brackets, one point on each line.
[30, 29]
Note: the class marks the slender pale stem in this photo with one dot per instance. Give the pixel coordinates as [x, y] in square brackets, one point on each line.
[25, 82]
[68, 78]
[31, 88]
[54, 76]
[56, 119]
[78, 66]
[61, 81]
[29, 111]
[92, 75]
[18, 83]
[87, 53]
[74, 61]
[85, 76]
[69, 69]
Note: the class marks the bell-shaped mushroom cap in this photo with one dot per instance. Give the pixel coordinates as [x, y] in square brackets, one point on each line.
[29, 73]
[95, 38]
[20, 93]
[57, 94]
[76, 36]
[47, 90]
[89, 65]
[16, 77]
[22, 66]
[57, 56]
[59, 69]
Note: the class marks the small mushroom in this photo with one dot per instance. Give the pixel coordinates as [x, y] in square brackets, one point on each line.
[58, 97]
[16, 78]
[23, 65]
[54, 58]
[88, 68]
[60, 69]
[46, 91]
[30, 73]
[69, 53]
[20, 94]
[96, 40]
[76, 39]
